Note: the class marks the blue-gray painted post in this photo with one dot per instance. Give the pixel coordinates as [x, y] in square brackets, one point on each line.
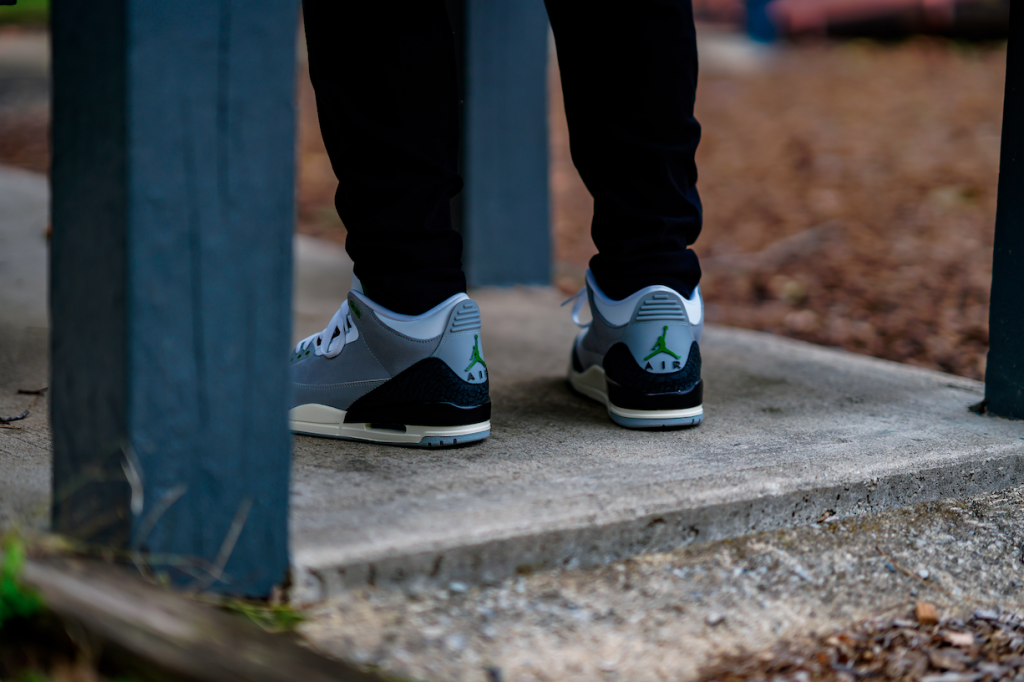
[759, 23]
[505, 211]
[1004, 375]
[173, 205]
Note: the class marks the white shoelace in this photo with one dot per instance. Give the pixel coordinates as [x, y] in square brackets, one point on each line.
[332, 340]
[580, 298]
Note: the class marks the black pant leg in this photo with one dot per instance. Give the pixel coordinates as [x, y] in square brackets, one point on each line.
[629, 78]
[386, 88]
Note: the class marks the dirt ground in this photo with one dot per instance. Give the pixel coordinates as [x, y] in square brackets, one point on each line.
[700, 612]
[849, 192]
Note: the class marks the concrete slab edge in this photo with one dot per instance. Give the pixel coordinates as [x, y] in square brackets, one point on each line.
[582, 547]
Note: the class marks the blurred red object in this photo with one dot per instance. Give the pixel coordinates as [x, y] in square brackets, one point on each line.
[818, 16]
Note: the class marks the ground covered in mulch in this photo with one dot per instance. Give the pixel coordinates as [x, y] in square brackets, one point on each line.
[918, 646]
[849, 192]
[24, 140]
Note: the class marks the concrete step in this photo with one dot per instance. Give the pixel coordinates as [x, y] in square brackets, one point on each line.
[792, 432]
[24, 262]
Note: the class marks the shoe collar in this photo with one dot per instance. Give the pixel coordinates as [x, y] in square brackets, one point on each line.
[619, 313]
[428, 325]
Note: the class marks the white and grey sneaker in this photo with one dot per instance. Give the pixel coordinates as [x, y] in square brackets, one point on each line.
[374, 375]
[640, 356]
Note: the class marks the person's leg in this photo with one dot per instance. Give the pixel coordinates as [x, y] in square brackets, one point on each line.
[629, 76]
[387, 96]
[401, 361]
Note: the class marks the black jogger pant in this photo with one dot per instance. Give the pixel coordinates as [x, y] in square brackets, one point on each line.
[387, 95]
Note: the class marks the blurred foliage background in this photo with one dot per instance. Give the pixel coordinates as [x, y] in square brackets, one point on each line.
[26, 13]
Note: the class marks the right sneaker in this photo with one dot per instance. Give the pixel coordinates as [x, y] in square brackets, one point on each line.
[640, 356]
[375, 375]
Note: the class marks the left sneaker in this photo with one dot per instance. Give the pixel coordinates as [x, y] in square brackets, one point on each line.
[640, 356]
[379, 376]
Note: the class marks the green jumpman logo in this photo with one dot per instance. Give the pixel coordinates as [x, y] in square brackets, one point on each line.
[475, 357]
[660, 347]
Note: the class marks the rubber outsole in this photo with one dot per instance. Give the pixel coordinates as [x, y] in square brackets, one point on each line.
[329, 422]
[593, 384]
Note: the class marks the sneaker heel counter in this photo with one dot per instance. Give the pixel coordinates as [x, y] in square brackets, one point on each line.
[659, 335]
[461, 348]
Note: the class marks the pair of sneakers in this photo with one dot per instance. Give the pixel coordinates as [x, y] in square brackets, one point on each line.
[375, 375]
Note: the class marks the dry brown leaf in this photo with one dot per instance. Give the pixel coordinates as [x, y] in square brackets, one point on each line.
[926, 613]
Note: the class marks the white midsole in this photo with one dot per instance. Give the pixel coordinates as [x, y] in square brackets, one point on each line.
[592, 383]
[329, 421]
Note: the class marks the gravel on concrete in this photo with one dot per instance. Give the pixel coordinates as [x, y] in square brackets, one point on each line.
[912, 645]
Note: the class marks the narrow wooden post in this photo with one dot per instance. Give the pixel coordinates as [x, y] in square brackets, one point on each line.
[1004, 376]
[504, 212]
[173, 138]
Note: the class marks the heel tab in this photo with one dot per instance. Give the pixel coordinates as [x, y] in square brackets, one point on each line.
[464, 317]
[659, 336]
[660, 306]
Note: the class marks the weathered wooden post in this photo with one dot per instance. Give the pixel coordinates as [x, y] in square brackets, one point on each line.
[1004, 376]
[504, 211]
[173, 138]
